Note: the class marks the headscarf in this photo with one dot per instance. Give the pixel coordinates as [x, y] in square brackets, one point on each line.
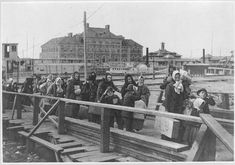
[141, 77]
[178, 86]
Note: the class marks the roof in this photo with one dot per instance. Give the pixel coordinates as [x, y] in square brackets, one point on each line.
[53, 41]
[101, 32]
[165, 53]
[130, 42]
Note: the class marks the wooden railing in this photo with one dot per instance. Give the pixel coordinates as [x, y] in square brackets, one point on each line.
[208, 123]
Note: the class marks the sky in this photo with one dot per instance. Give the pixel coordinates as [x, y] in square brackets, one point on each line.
[184, 27]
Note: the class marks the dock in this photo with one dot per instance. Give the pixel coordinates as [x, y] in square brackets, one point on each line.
[78, 140]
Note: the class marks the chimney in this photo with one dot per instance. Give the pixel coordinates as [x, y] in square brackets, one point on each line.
[107, 28]
[147, 56]
[70, 34]
[203, 56]
[162, 46]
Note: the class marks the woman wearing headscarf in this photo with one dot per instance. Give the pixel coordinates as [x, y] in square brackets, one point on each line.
[174, 94]
[104, 84]
[143, 91]
[143, 94]
[128, 80]
[174, 100]
[73, 91]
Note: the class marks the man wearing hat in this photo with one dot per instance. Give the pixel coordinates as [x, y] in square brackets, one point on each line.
[202, 93]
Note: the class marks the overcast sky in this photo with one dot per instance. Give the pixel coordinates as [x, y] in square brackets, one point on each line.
[185, 27]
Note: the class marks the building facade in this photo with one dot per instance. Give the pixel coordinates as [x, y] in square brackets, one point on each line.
[10, 58]
[102, 46]
[162, 58]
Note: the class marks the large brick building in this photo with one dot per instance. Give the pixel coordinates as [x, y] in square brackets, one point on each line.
[102, 47]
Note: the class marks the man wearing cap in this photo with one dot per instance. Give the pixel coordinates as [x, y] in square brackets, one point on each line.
[202, 93]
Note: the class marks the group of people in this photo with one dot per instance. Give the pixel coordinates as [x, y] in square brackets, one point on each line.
[179, 99]
[92, 90]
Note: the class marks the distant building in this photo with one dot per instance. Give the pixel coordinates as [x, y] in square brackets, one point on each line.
[227, 61]
[102, 47]
[162, 58]
[10, 57]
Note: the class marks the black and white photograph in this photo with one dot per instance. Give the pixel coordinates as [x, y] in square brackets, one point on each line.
[117, 81]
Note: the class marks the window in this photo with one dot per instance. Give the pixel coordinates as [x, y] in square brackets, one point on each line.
[13, 48]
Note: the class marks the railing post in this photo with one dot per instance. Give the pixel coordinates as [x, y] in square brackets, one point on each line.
[35, 110]
[209, 151]
[19, 108]
[61, 116]
[105, 131]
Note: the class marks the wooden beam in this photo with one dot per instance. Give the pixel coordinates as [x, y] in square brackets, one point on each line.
[42, 142]
[41, 121]
[209, 151]
[219, 131]
[49, 117]
[36, 110]
[61, 120]
[122, 108]
[19, 108]
[105, 131]
[13, 107]
[198, 144]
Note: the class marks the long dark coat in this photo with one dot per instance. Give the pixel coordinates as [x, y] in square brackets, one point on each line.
[173, 101]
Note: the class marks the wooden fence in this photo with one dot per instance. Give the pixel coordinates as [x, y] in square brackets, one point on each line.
[210, 127]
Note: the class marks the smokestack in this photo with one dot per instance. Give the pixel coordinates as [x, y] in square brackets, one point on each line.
[203, 56]
[163, 46]
[107, 28]
[147, 56]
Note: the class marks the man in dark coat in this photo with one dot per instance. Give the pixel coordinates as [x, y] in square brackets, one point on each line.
[73, 91]
[202, 93]
[110, 98]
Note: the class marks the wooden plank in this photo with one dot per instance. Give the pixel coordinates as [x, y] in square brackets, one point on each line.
[132, 136]
[105, 131]
[198, 144]
[41, 121]
[224, 114]
[209, 151]
[219, 131]
[13, 107]
[65, 140]
[18, 108]
[100, 157]
[61, 118]
[72, 144]
[137, 110]
[42, 142]
[84, 154]
[147, 139]
[119, 140]
[36, 110]
[80, 149]
[15, 127]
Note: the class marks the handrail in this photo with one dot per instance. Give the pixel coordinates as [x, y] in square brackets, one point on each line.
[118, 107]
[219, 131]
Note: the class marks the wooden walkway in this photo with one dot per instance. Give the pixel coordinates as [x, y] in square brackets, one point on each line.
[110, 144]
